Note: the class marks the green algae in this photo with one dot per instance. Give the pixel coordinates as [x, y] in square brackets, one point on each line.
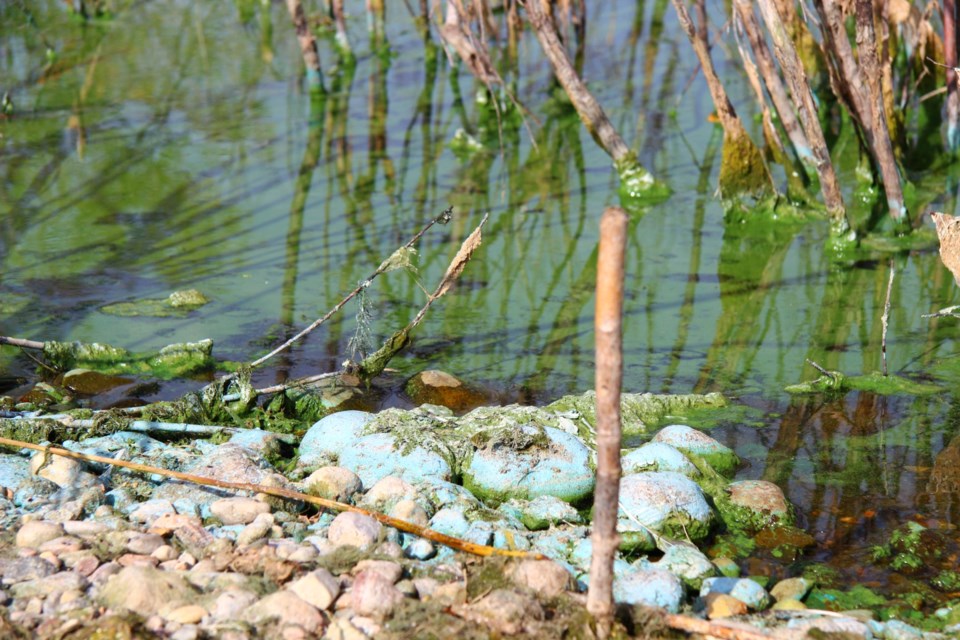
[173, 361]
[639, 412]
[856, 597]
[743, 170]
[637, 185]
[178, 304]
[835, 382]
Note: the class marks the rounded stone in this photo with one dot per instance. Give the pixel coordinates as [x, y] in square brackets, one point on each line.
[546, 577]
[755, 505]
[650, 587]
[690, 440]
[537, 461]
[34, 533]
[685, 562]
[743, 589]
[146, 591]
[378, 455]
[319, 588]
[187, 614]
[63, 472]
[333, 483]
[354, 529]
[286, 607]
[657, 456]
[721, 605]
[373, 594]
[238, 510]
[410, 511]
[387, 492]
[664, 502]
[331, 435]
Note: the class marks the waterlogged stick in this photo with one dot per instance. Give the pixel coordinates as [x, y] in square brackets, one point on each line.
[608, 328]
[289, 494]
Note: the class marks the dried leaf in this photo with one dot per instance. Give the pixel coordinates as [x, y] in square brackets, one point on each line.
[948, 230]
[460, 260]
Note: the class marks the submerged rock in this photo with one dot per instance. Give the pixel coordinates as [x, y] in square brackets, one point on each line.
[692, 441]
[527, 463]
[441, 388]
[664, 503]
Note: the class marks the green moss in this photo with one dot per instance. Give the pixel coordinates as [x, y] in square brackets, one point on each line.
[732, 545]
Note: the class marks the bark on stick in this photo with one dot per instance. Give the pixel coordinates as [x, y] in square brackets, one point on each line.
[607, 325]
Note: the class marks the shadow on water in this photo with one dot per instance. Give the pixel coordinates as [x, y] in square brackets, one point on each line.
[177, 148]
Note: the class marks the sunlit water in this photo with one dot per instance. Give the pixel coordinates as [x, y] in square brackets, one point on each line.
[176, 147]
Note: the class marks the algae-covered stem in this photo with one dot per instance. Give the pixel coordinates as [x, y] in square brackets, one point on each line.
[609, 375]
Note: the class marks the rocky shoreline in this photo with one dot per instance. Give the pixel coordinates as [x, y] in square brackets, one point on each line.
[93, 551]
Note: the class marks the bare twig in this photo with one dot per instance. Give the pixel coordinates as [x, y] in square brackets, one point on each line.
[609, 376]
[289, 494]
[443, 218]
[819, 368]
[20, 342]
[886, 316]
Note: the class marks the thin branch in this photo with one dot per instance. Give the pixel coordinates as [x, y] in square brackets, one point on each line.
[886, 316]
[443, 218]
[20, 342]
[289, 494]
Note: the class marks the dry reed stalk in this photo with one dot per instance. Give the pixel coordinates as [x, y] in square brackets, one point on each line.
[343, 42]
[950, 46]
[796, 79]
[289, 494]
[609, 375]
[591, 113]
[742, 168]
[308, 45]
[772, 82]
[881, 144]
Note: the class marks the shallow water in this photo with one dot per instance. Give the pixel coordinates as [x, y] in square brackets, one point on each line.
[176, 147]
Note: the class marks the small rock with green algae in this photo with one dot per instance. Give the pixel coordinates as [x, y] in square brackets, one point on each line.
[660, 504]
[657, 456]
[528, 461]
[685, 562]
[691, 441]
[837, 383]
[639, 411]
[541, 513]
[754, 505]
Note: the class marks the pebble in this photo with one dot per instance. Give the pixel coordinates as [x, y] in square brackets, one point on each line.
[34, 533]
[391, 571]
[546, 577]
[333, 483]
[372, 594]
[744, 589]
[721, 605]
[354, 529]
[319, 588]
[238, 510]
[287, 608]
[260, 527]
